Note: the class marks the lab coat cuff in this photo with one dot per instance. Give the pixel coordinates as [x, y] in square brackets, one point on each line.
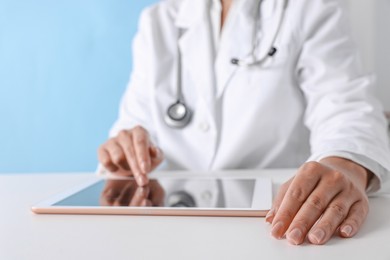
[377, 169]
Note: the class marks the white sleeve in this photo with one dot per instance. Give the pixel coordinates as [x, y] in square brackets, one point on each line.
[135, 104]
[342, 113]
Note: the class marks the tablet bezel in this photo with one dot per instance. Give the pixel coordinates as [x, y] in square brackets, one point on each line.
[47, 206]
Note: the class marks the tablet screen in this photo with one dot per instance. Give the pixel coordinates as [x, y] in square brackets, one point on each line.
[194, 193]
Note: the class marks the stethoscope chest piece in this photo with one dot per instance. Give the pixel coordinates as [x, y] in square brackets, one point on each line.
[178, 115]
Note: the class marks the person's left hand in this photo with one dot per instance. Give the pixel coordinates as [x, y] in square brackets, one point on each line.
[322, 199]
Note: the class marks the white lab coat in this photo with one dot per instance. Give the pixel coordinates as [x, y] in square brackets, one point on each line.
[309, 101]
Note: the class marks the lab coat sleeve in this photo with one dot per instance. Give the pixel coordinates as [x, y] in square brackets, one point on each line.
[134, 108]
[135, 104]
[342, 114]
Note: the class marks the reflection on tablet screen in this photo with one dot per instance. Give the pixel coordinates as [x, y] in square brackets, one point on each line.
[201, 193]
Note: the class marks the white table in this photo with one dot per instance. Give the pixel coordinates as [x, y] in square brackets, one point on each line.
[24, 235]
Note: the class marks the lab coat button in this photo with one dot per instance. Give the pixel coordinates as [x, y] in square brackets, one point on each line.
[204, 126]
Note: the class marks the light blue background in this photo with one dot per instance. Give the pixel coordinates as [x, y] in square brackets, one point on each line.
[64, 65]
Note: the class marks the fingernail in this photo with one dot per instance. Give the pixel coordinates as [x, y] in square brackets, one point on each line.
[346, 230]
[276, 230]
[142, 180]
[295, 236]
[270, 215]
[317, 236]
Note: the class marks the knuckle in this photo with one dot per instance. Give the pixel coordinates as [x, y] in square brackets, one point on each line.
[316, 202]
[339, 209]
[123, 133]
[123, 137]
[309, 167]
[139, 128]
[297, 194]
[337, 178]
[109, 143]
[140, 139]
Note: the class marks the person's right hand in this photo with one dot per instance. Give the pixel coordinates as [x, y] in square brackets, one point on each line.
[128, 193]
[131, 153]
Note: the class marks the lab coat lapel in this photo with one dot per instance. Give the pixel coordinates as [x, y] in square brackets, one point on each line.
[196, 48]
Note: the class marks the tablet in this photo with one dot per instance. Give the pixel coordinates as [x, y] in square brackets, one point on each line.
[165, 196]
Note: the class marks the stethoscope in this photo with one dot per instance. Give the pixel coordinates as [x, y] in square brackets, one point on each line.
[179, 114]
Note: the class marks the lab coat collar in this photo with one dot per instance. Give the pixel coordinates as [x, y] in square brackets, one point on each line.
[190, 12]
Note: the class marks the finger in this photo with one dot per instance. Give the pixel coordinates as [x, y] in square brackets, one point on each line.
[277, 201]
[140, 194]
[108, 197]
[105, 159]
[331, 219]
[301, 187]
[126, 194]
[311, 211]
[117, 155]
[111, 192]
[157, 194]
[355, 219]
[146, 203]
[157, 156]
[126, 141]
[141, 147]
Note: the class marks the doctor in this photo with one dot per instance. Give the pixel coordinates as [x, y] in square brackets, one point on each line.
[256, 84]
